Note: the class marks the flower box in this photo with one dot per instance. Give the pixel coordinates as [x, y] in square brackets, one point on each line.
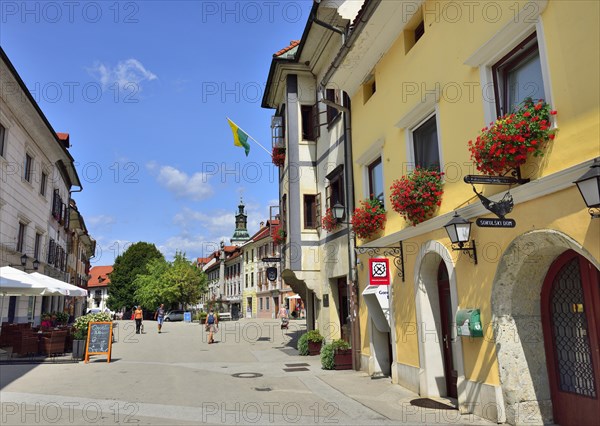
[342, 359]
[368, 219]
[417, 195]
[278, 156]
[328, 222]
[314, 348]
[507, 143]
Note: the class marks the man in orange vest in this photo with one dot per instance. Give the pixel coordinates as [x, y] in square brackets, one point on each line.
[138, 314]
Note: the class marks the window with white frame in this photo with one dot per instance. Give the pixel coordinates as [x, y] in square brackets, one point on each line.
[27, 167]
[517, 76]
[375, 180]
[426, 152]
[21, 237]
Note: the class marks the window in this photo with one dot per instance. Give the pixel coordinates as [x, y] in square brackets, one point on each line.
[260, 303]
[51, 252]
[419, 31]
[310, 211]
[27, 167]
[336, 187]
[36, 247]
[21, 237]
[332, 95]
[252, 279]
[425, 145]
[2, 138]
[310, 122]
[267, 302]
[43, 183]
[375, 177]
[369, 89]
[518, 76]
[246, 281]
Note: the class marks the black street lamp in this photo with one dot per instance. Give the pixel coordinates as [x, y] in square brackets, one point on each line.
[589, 187]
[459, 232]
[24, 257]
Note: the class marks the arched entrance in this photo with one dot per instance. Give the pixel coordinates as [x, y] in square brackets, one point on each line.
[571, 322]
[517, 323]
[440, 352]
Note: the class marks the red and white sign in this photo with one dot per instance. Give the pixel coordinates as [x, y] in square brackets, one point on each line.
[379, 271]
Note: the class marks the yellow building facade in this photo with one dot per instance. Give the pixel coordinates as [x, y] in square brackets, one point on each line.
[424, 79]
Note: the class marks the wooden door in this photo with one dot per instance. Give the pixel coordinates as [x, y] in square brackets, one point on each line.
[570, 306]
[343, 308]
[450, 374]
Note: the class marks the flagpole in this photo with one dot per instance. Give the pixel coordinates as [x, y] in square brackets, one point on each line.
[257, 142]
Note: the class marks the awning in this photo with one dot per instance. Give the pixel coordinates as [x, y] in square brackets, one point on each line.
[14, 282]
[295, 296]
[376, 298]
[64, 288]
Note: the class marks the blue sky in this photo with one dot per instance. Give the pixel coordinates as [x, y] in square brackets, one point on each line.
[144, 89]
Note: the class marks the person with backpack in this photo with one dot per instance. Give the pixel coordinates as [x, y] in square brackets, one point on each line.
[211, 326]
[159, 316]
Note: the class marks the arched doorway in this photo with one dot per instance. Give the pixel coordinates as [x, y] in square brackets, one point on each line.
[570, 307]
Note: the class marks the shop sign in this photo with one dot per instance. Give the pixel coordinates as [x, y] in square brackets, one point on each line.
[379, 271]
[496, 223]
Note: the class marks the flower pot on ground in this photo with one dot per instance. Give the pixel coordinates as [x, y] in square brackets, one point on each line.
[336, 355]
[328, 222]
[78, 349]
[369, 218]
[507, 143]
[315, 340]
[278, 156]
[417, 195]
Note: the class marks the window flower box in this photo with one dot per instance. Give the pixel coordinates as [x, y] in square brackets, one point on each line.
[279, 236]
[328, 222]
[368, 219]
[506, 144]
[278, 156]
[417, 195]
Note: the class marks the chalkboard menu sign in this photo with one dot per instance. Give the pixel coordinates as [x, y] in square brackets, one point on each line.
[99, 340]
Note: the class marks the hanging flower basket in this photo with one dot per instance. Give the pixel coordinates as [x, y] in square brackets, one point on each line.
[279, 236]
[278, 156]
[505, 144]
[328, 222]
[369, 218]
[417, 195]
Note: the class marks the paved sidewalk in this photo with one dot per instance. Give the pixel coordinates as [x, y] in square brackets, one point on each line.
[252, 375]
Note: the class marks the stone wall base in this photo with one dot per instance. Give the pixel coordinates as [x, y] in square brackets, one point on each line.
[406, 376]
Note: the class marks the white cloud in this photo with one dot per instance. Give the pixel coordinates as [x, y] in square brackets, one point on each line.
[195, 187]
[192, 245]
[215, 221]
[128, 74]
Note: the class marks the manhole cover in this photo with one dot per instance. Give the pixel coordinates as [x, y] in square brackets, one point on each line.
[430, 403]
[263, 389]
[299, 364]
[246, 375]
[290, 370]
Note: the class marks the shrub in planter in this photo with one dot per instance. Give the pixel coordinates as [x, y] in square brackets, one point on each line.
[369, 218]
[315, 340]
[302, 345]
[336, 355]
[201, 317]
[328, 222]
[61, 317]
[506, 144]
[417, 195]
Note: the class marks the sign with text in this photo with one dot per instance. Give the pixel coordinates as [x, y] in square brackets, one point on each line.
[496, 223]
[379, 271]
[99, 340]
[271, 259]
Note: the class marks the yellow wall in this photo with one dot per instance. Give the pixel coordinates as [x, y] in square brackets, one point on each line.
[572, 38]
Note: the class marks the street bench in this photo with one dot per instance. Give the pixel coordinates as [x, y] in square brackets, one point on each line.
[224, 316]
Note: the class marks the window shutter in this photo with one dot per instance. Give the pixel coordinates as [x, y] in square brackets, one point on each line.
[318, 210]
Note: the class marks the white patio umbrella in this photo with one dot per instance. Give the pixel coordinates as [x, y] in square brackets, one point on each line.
[64, 288]
[14, 282]
[295, 296]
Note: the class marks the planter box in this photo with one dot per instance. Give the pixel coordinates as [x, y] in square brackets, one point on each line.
[78, 349]
[343, 359]
[314, 348]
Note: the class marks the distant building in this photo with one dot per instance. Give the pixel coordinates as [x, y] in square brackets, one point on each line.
[98, 287]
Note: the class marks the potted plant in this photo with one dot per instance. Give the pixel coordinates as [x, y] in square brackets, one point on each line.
[336, 355]
[417, 195]
[315, 340]
[328, 222]
[369, 218]
[278, 156]
[279, 236]
[61, 317]
[302, 345]
[81, 330]
[201, 316]
[506, 143]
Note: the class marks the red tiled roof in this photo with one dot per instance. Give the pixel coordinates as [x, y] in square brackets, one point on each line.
[293, 44]
[62, 136]
[100, 276]
[203, 260]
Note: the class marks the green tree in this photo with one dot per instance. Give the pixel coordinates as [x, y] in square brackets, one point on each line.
[175, 283]
[133, 262]
[186, 280]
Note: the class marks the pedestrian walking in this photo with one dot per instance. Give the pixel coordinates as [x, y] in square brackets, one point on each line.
[211, 326]
[159, 316]
[138, 314]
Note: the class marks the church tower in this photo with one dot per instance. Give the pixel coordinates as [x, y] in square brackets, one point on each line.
[240, 236]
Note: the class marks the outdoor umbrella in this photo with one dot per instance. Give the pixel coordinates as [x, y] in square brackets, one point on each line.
[64, 288]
